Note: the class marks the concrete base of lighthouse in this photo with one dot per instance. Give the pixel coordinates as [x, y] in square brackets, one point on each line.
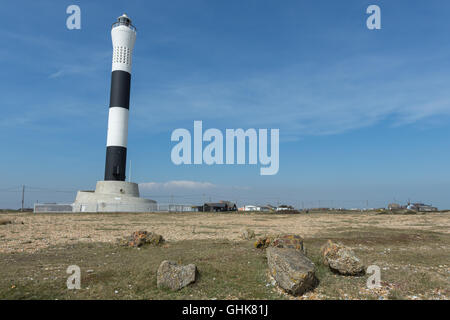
[113, 196]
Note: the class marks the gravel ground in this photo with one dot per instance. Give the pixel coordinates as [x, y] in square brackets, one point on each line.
[31, 232]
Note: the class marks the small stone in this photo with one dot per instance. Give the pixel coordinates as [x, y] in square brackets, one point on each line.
[173, 276]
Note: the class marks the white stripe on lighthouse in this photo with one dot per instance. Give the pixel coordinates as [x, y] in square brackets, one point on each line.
[117, 127]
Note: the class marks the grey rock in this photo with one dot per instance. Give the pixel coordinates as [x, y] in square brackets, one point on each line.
[173, 276]
[289, 241]
[291, 269]
[341, 259]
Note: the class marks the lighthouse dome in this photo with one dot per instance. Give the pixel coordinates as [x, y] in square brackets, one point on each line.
[124, 20]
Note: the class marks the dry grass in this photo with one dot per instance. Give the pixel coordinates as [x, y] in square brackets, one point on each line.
[44, 230]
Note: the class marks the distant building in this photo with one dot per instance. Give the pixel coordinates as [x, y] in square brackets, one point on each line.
[394, 206]
[421, 207]
[178, 208]
[256, 208]
[284, 207]
[252, 208]
[52, 208]
[219, 206]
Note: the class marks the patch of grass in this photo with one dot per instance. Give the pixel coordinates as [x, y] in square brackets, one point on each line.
[383, 236]
[226, 270]
[406, 259]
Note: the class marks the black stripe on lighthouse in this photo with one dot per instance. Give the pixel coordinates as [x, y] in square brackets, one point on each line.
[120, 89]
[116, 149]
[116, 159]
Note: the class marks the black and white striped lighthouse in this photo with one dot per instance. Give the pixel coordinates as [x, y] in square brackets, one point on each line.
[123, 35]
[114, 194]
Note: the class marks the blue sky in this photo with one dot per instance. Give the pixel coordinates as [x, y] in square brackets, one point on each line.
[363, 115]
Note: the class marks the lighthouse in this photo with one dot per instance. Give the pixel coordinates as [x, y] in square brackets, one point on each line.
[114, 194]
[123, 35]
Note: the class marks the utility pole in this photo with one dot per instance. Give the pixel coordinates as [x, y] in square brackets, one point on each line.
[23, 197]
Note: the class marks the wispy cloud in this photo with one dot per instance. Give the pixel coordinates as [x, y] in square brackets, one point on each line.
[65, 57]
[52, 61]
[75, 69]
[306, 99]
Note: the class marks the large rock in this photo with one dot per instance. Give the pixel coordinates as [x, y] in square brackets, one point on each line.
[140, 238]
[288, 241]
[291, 269]
[341, 259]
[265, 241]
[173, 276]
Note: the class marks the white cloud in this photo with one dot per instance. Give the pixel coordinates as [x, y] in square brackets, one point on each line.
[74, 70]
